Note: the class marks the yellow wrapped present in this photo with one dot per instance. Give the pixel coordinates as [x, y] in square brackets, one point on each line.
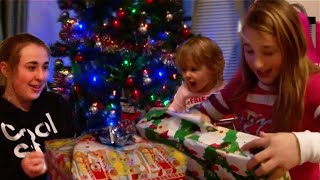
[59, 158]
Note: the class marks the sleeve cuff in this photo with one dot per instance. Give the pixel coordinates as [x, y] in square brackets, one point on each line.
[309, 143]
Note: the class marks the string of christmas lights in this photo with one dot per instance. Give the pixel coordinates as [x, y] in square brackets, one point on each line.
[118, 48]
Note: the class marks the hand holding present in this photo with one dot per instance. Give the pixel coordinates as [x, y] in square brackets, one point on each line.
[280, 153]
[195, 117]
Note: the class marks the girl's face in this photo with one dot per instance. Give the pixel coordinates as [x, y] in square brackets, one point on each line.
[26, 82]
[262, 54]
[197, 77]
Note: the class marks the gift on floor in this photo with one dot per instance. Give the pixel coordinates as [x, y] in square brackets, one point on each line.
[142, 160]
[213, 154]
[59, 158]
[86, 158]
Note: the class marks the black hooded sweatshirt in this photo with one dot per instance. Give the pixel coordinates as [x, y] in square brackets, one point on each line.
[50, 117]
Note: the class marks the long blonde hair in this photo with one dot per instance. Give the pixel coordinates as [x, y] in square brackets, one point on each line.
[279, 18]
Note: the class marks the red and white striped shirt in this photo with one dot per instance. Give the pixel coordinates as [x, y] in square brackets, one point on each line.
[254, 113]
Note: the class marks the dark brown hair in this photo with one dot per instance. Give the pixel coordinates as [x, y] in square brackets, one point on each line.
[11, 47]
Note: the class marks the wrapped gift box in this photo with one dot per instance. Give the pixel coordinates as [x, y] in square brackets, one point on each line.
[59, 158]
[142, 160]
[86, 158]
[212, 155]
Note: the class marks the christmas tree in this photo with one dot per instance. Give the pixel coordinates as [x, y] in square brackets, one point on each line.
[120, 50]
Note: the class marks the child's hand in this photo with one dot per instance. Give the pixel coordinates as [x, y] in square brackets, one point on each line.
[34, 164]
[196, 117]
[280, 153]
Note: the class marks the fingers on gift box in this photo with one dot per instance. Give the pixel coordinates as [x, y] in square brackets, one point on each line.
[216, 150]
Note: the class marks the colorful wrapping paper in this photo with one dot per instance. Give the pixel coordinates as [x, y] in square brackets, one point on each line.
[143, 160]
[59, 158]
[212, 155]
[92, 160]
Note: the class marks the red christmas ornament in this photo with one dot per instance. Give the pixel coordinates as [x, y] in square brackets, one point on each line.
[78, 58]
[149, 1]
[130, 81]
[136, 93]
[158, 103]
[116, 23]
[186, 32]
[121, 13]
